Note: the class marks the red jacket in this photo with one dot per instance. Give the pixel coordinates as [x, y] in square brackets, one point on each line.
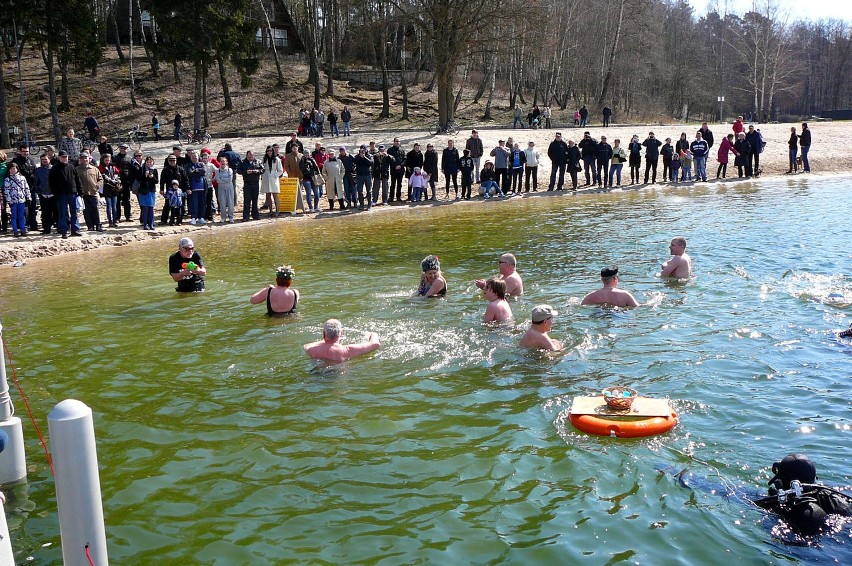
[738, 126]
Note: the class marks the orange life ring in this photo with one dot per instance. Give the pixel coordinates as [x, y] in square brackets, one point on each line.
[623, 429]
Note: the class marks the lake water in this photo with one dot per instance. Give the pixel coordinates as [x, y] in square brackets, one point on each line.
[220, 443]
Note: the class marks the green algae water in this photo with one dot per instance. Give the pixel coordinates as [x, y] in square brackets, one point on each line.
[219, 442]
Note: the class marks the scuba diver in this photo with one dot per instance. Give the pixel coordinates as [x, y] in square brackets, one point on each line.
[795, 497]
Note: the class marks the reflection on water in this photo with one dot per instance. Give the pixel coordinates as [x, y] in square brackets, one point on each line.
[221, 443]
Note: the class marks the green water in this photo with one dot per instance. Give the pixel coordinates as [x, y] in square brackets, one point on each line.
[220, 443]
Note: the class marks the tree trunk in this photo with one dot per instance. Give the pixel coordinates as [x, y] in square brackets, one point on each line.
[311, 47]
[65, 106]
[383, 61]
[130, 52]
[4, 119]
[223, 76]
[486, 80]
[611, 62]
[493, 83]
[205, 115]
[154, 53]
[114, 21]
[175, 72]
[330, 33]
[196, 106]
[458, 96]
[51, 88]
[23, 92]
[280, 81]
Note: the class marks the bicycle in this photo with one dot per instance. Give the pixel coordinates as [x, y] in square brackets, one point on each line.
[134, 137]
[14, 132]
[450, 128]
[189, 136]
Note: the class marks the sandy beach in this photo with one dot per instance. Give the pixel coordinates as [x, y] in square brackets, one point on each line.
[824, 161]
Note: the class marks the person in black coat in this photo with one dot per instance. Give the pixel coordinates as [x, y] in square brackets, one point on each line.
[430, 166]
[413, 158]
[604, 154]
[805, 144]
[755, 142]
[652, 156]
[573, 156]
[589, 150]
[743, 159]
[558, 154]
[450, 166]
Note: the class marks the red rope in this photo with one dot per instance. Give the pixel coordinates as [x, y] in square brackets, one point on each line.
[89, 556]
[29, 409]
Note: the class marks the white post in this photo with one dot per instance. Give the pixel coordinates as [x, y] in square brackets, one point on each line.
[6, 555]
[78, 486]
[13, 462]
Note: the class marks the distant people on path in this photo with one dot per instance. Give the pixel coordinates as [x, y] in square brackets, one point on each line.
[91, 125]
[738, 127]
[498, 309]
[346, 118]
[177, 123]
[330, 349]
[609, 294]
[507, 267]
[576, 117]
[280, 298]
[155, 125]
[680, 264]
[607, 116]
[537, 337]
[432, 282]
[805, 144]
[518, 117]
[187, 268]
[584, 116]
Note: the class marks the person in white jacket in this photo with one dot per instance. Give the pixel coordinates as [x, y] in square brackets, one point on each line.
[332, 172]
[531, 167]
[272, 171]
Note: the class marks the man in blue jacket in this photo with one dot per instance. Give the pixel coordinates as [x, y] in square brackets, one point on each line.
[700, 148]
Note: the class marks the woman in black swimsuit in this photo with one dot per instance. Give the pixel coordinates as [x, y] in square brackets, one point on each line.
[280, 298]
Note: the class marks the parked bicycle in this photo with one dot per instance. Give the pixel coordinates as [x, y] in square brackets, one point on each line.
[450, 128]
[15, 137]
[135, 137]
[190, 136]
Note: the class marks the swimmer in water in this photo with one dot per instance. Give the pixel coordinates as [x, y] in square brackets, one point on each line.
[608, 294]
[680, 264]
[514, 283]
[537, 336]
[498, 308]
[280, 298]
[432, 282]
[846, 333]
[330, 349]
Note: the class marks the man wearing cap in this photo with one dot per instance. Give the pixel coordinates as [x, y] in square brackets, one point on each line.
[381, 173]
[608, 294]
[187, 268]
[514, 283]
[330, 349]
[172, 172]
[65, 185]
[558, 154]
[250, 169]
[537, 336]
[92, 183]
[680, 264]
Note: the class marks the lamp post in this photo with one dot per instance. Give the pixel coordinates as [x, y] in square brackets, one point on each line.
[720, 100]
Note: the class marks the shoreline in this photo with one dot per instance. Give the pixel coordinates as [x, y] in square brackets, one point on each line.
[16, 251]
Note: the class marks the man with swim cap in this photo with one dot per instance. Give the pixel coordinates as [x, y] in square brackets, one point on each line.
[608, 294]
[188, 280]
[680, 264]
[330, 349]
[537, 336]
[514, 283]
